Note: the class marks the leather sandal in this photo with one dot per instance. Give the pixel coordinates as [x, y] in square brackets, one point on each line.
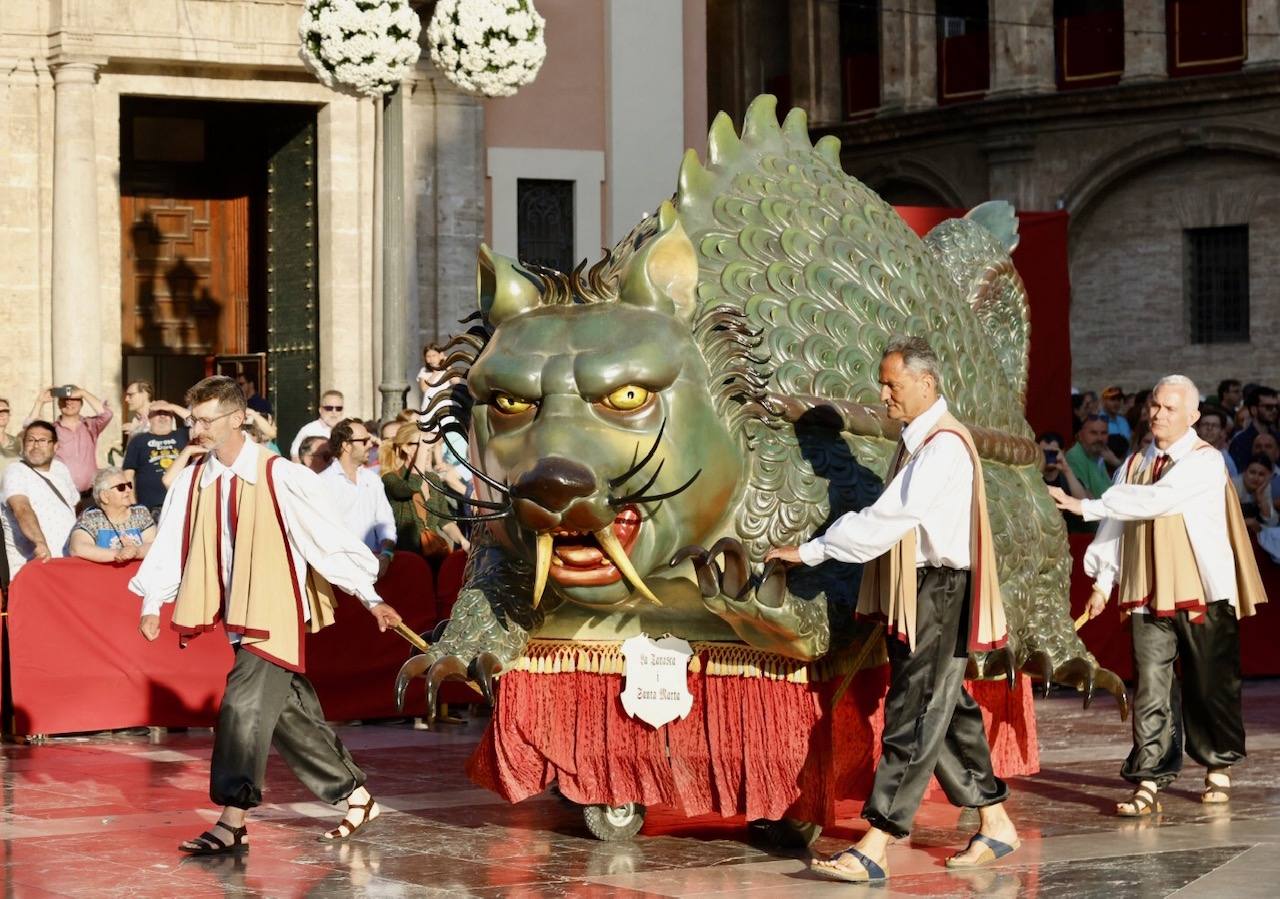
[209, 843]
[1216, 787]
[992, 850]
[867, 872]
[349, 826]
[1142, 804]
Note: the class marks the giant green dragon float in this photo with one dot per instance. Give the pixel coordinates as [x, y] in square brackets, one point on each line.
[644, 430]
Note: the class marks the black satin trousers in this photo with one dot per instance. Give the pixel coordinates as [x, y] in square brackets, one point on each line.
[1201, 707]
[264, 706]
[932, 726]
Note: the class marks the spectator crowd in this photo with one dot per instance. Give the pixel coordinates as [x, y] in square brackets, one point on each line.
[387, 479]
[1239, 420]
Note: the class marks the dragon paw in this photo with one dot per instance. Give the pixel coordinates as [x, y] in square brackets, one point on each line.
[436, 668]
[755, 606]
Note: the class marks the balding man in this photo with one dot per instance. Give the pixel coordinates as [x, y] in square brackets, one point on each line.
[931, 577]
[1173, 536]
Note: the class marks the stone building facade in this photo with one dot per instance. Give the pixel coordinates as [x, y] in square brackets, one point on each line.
[1149, 156]
[108, 107]
[177, 191]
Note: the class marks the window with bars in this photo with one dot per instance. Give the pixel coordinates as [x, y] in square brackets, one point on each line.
[1217, 274]
[544, 222]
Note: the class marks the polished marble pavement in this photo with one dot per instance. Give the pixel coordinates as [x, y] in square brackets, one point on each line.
[101, 815]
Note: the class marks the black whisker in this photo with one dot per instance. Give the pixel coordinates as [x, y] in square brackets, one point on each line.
[622, 478]
[638, 499]
[494, 516]
[496, 485]
[649, 483]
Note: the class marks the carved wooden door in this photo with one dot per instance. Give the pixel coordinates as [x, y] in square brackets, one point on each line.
[185, 275]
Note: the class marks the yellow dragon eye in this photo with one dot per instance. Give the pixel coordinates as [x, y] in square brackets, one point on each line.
[627, 399]
[509, 405]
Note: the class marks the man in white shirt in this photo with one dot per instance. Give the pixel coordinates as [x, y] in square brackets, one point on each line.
[932, 725]
[358, 491]
[252, 540]
[39, 500]
[331, 407]
[1171, 533]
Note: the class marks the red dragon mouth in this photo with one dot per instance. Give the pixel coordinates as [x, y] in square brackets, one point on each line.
[578, 560]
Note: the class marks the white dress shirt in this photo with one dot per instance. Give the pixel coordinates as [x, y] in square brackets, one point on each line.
[932, 494]
[365, 509]
[312, 525]
[315, 428]
[1194, 486]
[54, 511]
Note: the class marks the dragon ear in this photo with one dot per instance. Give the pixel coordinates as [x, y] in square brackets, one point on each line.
[663, 274]
[505, 289]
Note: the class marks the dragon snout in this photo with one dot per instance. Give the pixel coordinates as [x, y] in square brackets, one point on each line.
[544, 493]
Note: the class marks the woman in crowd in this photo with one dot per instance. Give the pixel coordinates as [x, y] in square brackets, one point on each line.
[414, 492]
[1253, 486]
[117, 528]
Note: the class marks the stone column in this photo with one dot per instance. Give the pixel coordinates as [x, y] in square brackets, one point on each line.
[815, 60]
[1022, 47]
[395, 358]
[459, 206]
[1263, 34]
[1145, 50]
[908, 56]
[77, 312]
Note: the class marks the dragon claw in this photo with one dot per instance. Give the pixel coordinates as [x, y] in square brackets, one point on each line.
[1112, 684]
[735, 577]
[443, 669]
[704, 568]
[484, 669]
[414, 667]
[1040, 666]
[773, 585]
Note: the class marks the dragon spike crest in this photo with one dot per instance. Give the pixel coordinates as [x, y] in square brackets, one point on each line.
[663, 274]
[506, 289]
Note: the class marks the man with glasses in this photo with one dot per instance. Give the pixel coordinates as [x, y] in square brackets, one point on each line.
[77, 434]
[252, 540]
[39, 500]
[331, 406]
[358, 492]
[10, 445]
[1263, 404]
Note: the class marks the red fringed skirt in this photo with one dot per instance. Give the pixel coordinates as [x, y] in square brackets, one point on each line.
[752, 745]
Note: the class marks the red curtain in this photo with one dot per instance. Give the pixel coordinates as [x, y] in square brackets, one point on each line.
[1108, 638]
[78, 663]
[1041, 260]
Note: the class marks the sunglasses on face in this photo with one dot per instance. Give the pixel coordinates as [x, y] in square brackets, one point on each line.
[359, 440]
[123, 488]
[331, 408]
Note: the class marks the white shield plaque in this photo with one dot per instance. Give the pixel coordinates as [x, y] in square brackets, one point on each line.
[656, 689]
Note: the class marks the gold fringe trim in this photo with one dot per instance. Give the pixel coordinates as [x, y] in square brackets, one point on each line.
[717, 659]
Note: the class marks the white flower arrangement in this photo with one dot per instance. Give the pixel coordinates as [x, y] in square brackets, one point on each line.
[487, 47]
[365, 47]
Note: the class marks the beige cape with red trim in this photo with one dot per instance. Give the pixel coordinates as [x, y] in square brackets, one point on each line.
[264, 605]
[888, 588]
[1158, 568]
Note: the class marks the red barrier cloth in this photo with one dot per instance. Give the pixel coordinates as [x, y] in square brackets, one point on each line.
[1109, 641]
[750, 745]
[1041, 261]
[78, 663]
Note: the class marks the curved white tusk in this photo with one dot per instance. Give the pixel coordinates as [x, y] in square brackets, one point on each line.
[542, 566]
[618, 556]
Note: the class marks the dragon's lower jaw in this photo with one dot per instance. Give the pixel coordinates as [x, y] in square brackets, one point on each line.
[590, 559]
[579, 560]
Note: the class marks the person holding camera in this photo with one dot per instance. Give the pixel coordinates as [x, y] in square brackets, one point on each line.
[1057, 473]
[77, 434]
